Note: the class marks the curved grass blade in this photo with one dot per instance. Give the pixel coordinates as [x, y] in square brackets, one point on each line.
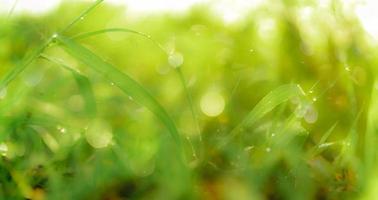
[178, 70]
[83, 84]
[122, 81]
[12, 74]
[265, 105]
[322, 143]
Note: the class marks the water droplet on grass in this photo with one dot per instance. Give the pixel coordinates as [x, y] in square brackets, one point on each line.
[268, 149]
[99, 134]
[212, 104]
[314, 99]
[176, 59]
[311, 115]
[61, 129]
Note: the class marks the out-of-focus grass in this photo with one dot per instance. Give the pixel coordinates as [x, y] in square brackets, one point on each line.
[278, 105]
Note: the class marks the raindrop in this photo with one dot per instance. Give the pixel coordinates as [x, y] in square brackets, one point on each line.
[131, 98]
[311, 115]
[61, 129]
[112, 84]
[54, 36]
[347, 68]
[251, 50]
[99, 134]
[81, 18]
[273, 134]
[3, 93]
[268, 149]
[314, 99]
[176, 59]
[212, 104]
[311, 91]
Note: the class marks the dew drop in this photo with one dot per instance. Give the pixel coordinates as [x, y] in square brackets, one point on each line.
[347, 68]
[268, 149]
[54, 36]
[212, 103]
[251, 50]
[314, 99]
[311, 115]
[99, 134]
[81, 18]
[61, 129]
[176, 59]
[112, 84]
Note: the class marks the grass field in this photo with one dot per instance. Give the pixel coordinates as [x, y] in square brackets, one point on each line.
[281, 104]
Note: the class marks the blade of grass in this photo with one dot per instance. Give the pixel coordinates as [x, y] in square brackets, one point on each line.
[268, 103]
[318, 148]
[122, 81]
[83, 84]
[178, 69]
[82, 15]
[12, 74]
[371, 132]
[36, 53]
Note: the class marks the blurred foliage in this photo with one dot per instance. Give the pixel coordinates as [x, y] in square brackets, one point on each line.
[71, 134]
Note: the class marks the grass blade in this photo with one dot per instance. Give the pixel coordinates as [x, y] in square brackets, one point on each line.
[178, 69]
[82, 15]
[12, 74]
[83, 84]
[122, 81]
[265, 105]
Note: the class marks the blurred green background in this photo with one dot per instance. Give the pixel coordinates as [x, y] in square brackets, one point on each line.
[74, 135]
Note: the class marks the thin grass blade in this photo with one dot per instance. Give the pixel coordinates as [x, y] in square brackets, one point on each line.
[122, 81]
[83, 84]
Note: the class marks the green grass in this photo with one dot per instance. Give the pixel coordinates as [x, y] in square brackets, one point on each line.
[109, 117]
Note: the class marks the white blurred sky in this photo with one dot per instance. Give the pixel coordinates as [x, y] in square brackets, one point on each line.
[367, 10]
